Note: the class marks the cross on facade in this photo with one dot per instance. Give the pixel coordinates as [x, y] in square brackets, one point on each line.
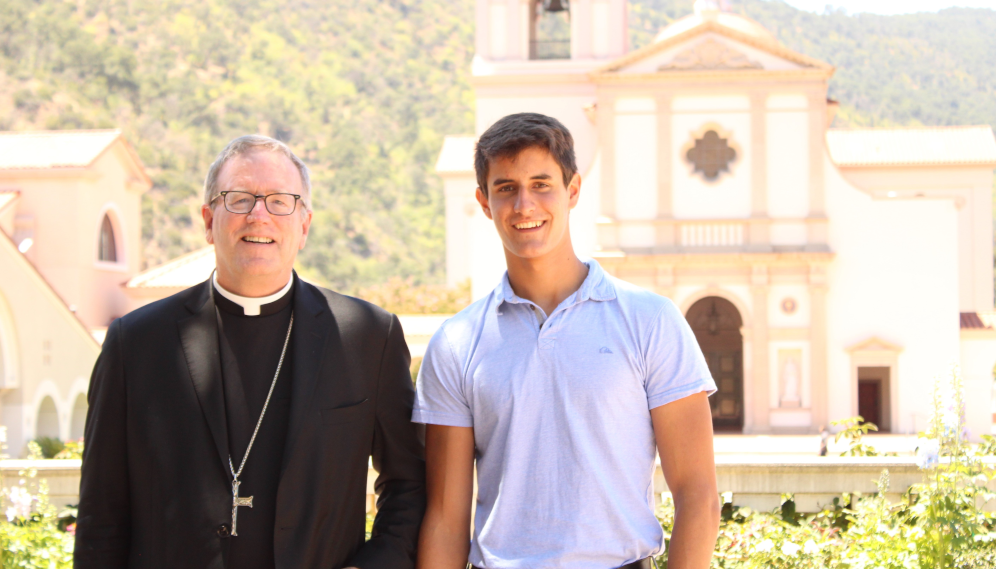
[236, 502]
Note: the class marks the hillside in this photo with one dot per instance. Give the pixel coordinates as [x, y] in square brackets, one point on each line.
[916, 69]
[366, 90]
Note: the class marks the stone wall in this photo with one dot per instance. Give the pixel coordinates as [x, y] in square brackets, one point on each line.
[759, 483]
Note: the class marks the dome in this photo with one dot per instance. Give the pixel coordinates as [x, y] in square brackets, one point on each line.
[734, 22]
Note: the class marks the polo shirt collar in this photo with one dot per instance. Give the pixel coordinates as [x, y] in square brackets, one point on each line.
[596, 286]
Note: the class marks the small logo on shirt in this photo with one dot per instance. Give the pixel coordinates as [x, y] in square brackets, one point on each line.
[605, 350]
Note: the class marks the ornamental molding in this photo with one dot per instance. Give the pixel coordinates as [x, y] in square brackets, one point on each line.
[710, 54]
[768, 45]
[874, 344]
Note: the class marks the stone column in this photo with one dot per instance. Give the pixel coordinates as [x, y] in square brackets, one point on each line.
[608, 234]
[760, 375]
[759, 239]
[581, 29]
[818, 345]
[666, 237]
[664, 280]
[817, 225]
[517, 30]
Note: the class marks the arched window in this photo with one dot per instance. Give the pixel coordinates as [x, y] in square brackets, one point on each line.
[78, 421]
[107, 249]
[550, 30]
[48, 419]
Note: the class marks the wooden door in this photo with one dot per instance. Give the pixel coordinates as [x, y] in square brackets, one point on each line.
[870, 400]
[727, 403]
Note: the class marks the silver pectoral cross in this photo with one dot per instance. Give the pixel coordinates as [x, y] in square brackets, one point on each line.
[236, 502]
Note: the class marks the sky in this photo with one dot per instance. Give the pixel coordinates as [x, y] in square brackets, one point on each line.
[890, 6]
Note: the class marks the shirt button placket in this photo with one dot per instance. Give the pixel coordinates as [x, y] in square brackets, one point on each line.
[546, 341]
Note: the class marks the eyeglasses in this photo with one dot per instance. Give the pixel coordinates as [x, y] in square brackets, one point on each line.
[243, 202]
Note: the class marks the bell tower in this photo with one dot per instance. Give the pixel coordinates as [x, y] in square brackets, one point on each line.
[537, 30]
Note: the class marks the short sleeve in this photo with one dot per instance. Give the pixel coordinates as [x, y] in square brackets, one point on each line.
[676, 367]
[439, 389]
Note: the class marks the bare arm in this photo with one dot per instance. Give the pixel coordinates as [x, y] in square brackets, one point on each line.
[444, 542]
[683, 430]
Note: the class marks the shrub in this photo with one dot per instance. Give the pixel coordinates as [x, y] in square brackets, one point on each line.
[938, 523]
[29, 534]
[72, 449]
[49, 446]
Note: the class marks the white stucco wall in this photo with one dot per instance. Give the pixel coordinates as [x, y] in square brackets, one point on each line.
[584, 234]
[487, 259]
[568, 109]
[460, 206]
[778, 293]
[978, 361]
[895, 277]
[788, 163]
[729, 197]
[55, 354]
[636, 169]
[971, 189]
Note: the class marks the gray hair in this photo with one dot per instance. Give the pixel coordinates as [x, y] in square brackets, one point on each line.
[251, 143]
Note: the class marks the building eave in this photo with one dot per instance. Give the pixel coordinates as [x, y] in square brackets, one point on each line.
[714, 76]
[71, 318]
[771, 47]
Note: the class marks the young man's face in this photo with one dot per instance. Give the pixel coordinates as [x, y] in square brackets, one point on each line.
[529, 203]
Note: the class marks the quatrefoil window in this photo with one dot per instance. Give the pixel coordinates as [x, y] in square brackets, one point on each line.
[711, 155]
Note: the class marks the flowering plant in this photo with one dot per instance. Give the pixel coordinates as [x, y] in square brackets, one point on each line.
[29, 533]
[939, 523]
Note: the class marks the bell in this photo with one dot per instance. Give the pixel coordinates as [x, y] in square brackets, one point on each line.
[555, 5]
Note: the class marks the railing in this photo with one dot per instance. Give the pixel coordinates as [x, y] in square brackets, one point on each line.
[712, 234]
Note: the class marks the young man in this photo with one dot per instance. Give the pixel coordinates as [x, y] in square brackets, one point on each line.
[562, 384]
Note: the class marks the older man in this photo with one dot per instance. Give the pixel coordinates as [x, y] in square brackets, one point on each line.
[231, 424]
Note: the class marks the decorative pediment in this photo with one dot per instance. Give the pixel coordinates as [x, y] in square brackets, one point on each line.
[873, 344]
[713, 46]
[710, 54]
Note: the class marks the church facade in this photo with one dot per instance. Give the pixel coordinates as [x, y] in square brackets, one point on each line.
[70, 237]
[826, 272]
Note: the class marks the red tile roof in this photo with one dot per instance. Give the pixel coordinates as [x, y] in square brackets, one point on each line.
[978, 320]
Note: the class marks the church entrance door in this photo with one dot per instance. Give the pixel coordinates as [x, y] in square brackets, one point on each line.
[716, 323]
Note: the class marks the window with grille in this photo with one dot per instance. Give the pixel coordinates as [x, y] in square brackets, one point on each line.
[711, 155]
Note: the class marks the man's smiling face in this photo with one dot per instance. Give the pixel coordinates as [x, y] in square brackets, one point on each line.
[257, 249]
[529, 203]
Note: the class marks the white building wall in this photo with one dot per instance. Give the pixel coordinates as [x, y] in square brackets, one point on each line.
[636, 169]
[729, 197]
[460, 206]
[487, 259]
[778, 318]
[584, 234]
[568, 109]
[895, 277]
[788, 164]
[978, 362]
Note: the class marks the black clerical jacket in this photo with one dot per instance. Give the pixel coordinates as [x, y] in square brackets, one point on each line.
[156, 487]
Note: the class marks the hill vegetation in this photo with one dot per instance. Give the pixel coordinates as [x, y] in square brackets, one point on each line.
[365, 91]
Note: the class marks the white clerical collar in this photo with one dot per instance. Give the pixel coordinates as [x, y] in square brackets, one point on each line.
[249, 304]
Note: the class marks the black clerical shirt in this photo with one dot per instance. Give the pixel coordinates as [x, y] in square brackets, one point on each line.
[250, 351]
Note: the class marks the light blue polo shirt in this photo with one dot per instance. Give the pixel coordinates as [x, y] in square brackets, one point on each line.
[561, 417]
